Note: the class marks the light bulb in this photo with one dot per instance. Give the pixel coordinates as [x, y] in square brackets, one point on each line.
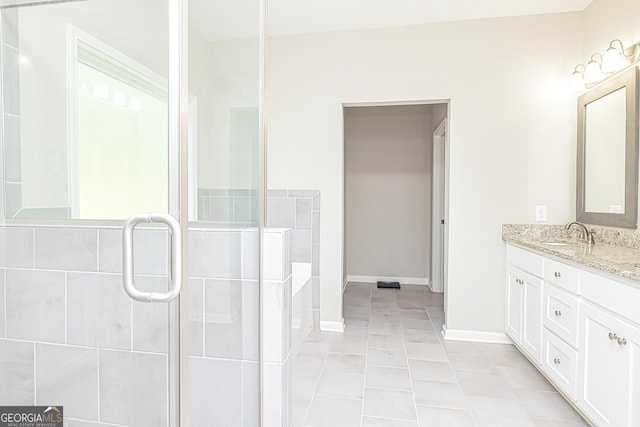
[612, 60]
[576, 81]
[100, 90]
[592, 72]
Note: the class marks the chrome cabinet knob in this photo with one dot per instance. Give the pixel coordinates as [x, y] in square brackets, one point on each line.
[556, 360]
[622, 341]
[557, 274]
[613, 336]
[558, 313]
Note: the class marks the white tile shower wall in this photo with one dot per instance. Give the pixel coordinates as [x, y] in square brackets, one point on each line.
[299, 210]
[64, 306]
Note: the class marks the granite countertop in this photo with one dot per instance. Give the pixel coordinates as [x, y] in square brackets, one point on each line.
[614, 252]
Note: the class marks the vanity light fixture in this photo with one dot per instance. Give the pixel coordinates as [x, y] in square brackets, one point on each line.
[593, 70]
[615, 59]
[600, 66]
[576, 81]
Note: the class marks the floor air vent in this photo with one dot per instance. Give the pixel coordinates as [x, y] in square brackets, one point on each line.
[389, 285]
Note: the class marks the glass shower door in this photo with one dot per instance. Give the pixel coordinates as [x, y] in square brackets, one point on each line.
[90, 135]
[225, 206]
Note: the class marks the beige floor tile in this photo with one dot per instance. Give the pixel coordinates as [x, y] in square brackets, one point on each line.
[426, 370]
[386, 422]
[484, 385]
[388, 378]
[394, 358]
[389, 404]
[386, 341]
[499, 412]
[391, 368]
[547, 404]
[334, 412]
[345, 363]
[444, 417]
[440, 394]
[338, 384]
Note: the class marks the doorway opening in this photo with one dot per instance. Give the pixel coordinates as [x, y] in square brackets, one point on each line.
[396, 193]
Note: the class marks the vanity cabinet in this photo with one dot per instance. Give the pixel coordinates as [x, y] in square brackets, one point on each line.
[610, 352]
[524, 307]
[582, 329]
[611, 369]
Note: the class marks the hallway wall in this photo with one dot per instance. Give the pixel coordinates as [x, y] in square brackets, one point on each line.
[510, 108]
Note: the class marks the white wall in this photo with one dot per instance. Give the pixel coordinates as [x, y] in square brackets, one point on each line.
[512, 133]
[388, 169]
[605, 20]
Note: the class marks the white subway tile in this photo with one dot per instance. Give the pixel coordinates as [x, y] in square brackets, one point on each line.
[151, 320]
[74, 249]
[301, 246]
[98, 311]
[35, 305]
[251, 320]
[250, 254]
[215, 392]
[150, 253]
[215, 254]
[303, 213]
[195, 292]
[275, 320]
[68, 376]
[281, 212]
[2, 312]
[16, 373]
[133, 388]
[223, 319]
[16, 247]
[275, 395]
[274, 254]
[251, 393]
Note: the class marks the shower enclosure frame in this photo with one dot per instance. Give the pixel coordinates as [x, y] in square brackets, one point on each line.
[178, 188]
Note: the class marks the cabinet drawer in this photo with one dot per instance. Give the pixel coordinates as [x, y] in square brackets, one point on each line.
[560, 362]
[620, 298]
[561, 313]
[563, 275]
[524, 260]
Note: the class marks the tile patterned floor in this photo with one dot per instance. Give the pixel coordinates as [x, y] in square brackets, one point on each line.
[391, 369]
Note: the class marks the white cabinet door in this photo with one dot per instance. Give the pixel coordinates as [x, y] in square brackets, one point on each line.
[532, 317]
[610, 371]
[513, 324]
[524, 311]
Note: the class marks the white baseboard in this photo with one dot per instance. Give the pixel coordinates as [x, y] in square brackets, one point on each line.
[424, 281]
[475, 336]
[327, 326]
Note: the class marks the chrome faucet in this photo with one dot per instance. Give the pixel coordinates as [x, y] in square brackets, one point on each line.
[585, 234]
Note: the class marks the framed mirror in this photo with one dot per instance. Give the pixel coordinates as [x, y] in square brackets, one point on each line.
[607, 181]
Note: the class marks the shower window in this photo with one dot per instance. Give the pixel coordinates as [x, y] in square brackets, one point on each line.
[117, 133]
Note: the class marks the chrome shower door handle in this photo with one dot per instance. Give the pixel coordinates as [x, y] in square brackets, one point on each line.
[175, 274]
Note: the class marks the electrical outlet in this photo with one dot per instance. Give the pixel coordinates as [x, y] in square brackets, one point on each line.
[541, 213]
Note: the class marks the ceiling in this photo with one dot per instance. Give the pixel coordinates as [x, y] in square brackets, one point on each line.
[230, 19]
[217, 20]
